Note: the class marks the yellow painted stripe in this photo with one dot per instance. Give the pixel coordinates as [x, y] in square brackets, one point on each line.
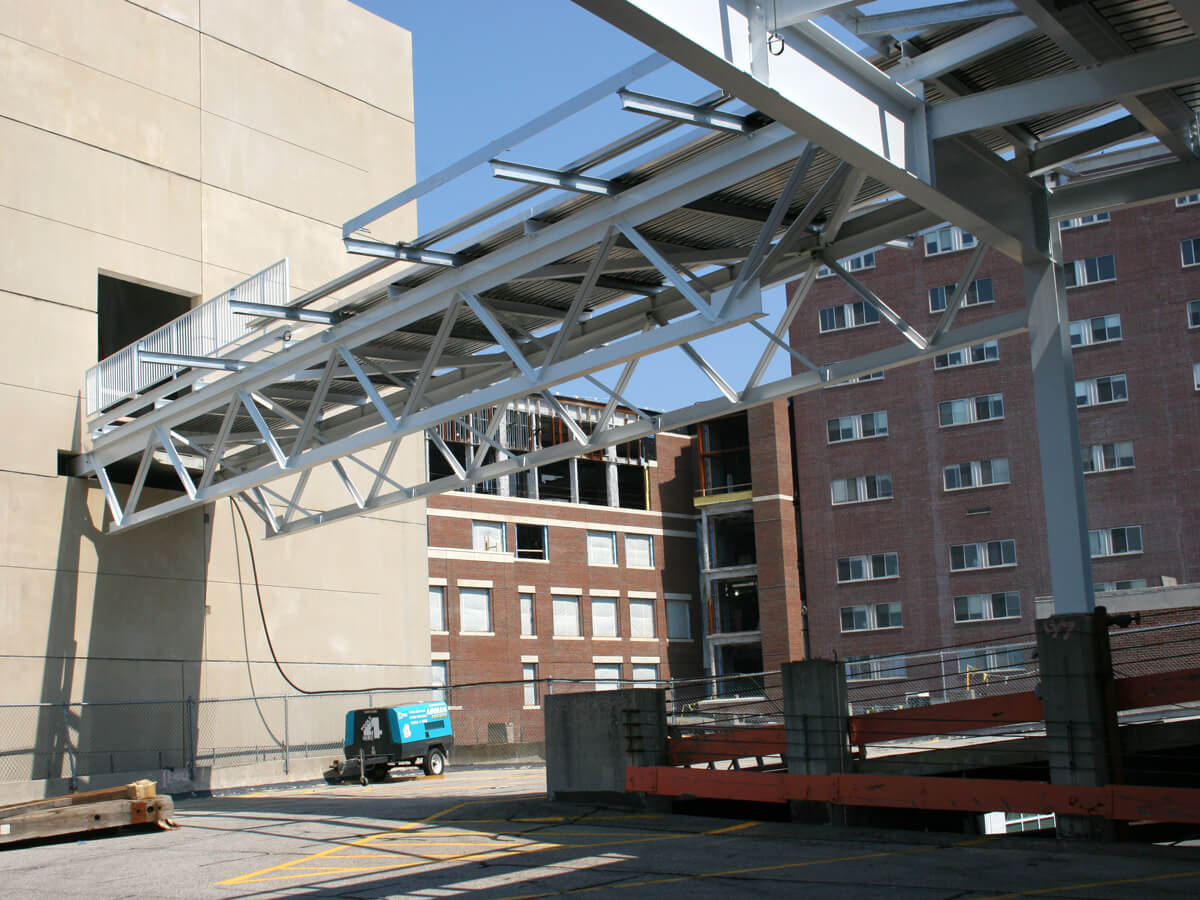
[1094, 884]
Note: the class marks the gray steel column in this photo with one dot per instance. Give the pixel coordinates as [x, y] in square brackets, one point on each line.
[1058, 435]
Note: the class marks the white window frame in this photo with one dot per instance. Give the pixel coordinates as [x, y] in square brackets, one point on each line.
[857, 426]
[1187, 200]
[1193, 312]
[607, 676]
[1084, 220]
[974, 355]
[864, 485]
[530, 686]
[1189, 247]
[1078, 271]
[1196, 375]
[611, 605]
[853, 315]
[1101, 541]
[976, 469]
[637, 623]
[679, 612]
[642, 540]
[524, 554]
[972, 409]
[861, 379]
[857, 263]
[1094, 458]
[866, 565]
[986, 605]
[464, 615]
[594, 539]
[983, 552]
[645, 675]
[1088, 390]
[876, 668]
[559, 616]
[489, 537]
[948, 239]
[870, 617]
[1121, 584]
[437, 602]
[942, 294]
[1086, 330]
[528, 614]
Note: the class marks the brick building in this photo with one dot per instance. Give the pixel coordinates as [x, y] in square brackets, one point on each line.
[919, 491]
[582, 571]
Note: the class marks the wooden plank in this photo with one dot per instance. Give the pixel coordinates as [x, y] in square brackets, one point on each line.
[138, 790]
[1120, 802]
[84, 817]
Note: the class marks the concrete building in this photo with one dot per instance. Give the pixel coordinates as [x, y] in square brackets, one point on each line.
[155, 154]
[577, 573]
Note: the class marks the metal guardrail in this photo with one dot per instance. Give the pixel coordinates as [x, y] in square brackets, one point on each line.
[203, 331]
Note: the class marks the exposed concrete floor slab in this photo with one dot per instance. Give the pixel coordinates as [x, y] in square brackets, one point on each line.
[491, 834]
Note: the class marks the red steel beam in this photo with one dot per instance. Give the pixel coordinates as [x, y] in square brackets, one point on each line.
[946, 718]
[726, 743]
[1158, 689]
[1121, 802]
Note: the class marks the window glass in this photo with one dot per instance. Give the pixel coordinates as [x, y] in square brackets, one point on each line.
[639, 551]
[641, 618]
[439, 671]
[529, 676]
[645, 675]
[608, 676]
[437, 608]
[604, 617]
[679, 620]
[566, 616]
[601, 548]
[488, 536]
[476, 609]
[527, 614]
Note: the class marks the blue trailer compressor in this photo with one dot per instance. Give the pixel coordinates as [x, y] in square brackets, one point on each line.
[377, 739]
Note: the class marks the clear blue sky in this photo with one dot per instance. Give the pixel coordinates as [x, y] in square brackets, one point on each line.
[481, 69]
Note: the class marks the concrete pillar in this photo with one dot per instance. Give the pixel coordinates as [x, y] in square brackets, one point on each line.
[592, 737]
[1081, 722]
[815, 707]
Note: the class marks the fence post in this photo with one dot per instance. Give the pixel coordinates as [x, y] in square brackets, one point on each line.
[193, 744]
[287, 740]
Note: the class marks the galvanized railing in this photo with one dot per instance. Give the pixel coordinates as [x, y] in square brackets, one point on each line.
[206, 330]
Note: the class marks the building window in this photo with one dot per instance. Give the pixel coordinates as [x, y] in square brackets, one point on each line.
[604, 617]
[874, 668]
[1129, 584]
[851, 264]
[1098, 391]
[641, 619]
[639, 551]
[608, 676]
[872, 376]
[531, 542]
[988, 351]
[1080, 221]
[566, 616]
[981, 607]
[983, 555]
[1106, 457]
[979, 293]
[1189, 249]
[947, 240]
[1120, 541]
[439, 678]
[856, 428]
[1196, 375]
[529, 677]
[869, 567]
[848, 315]
[991, 659]
[527, 622]
[679, 620]
[1099, 330]
[871, 618]
[489, 537]
[977, 473]
[1187, 200]
[601, 548]
[862, 489]
[970, 409]
[475, 606]
[437, 608]
[1193, 308]
[1093, 270]
[645, 675]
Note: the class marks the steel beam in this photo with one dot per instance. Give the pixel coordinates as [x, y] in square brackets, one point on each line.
[402, 252]
[1052, 154]
[554, 178]
[683, 112]
[1078, 198]
[909, 20]
[960, 51]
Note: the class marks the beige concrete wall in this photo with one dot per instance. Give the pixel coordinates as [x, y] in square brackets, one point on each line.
[184, 144]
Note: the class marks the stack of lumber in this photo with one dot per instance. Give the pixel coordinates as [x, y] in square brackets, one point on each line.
[129, 804]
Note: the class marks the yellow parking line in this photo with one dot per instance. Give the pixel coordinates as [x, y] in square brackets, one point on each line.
[1094, 884]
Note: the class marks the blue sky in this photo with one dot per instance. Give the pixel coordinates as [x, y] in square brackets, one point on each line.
[481, 69]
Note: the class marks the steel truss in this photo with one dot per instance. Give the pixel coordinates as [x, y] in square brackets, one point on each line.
[834, 157]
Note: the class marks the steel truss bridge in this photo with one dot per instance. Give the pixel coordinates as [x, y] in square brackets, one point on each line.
[804, 154]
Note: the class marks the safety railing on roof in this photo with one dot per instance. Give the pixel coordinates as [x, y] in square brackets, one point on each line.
[203, 331]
